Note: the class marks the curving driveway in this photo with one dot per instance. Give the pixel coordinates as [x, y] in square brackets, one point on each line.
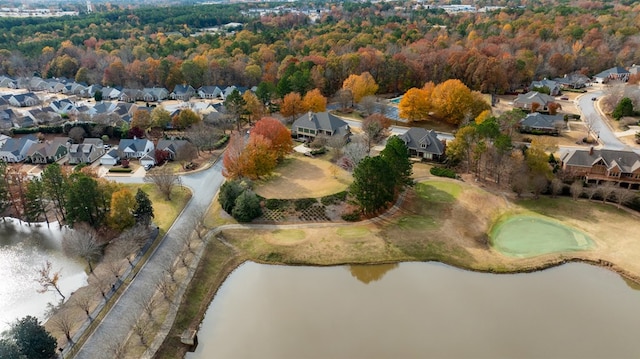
[116, 324]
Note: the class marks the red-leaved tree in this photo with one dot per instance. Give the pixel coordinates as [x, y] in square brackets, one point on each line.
[233, 156]
[279, 136]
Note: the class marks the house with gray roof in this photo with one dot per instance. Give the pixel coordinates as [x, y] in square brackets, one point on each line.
[155, 94]
[423, 144]
[615, 73]
[110, 93]
[110, 158]
[310, 125]
[49, 151]
[15, 150]
[131, 95]
[526, 101]
[553, 86]
[173, 147]
[539, 124]
[573, 81]
[24, 100]
[619, 166]
[183, 92]
[134, 148]
[8, 82]
[87, 152]
[90, 91]
[210, 92]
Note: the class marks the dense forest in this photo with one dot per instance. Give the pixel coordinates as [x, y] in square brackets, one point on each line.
[402, 45]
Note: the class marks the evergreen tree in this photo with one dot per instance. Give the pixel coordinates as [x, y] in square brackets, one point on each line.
[56, 184]
[85, 201]
[623, 109]
[32, 339]
[234, 104]
[35, 205]
[144, 208]
[396, 154]
[247, 207]
[373, 184]
[229, 192]
[4, 187]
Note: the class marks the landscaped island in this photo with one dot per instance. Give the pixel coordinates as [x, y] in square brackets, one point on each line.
[437, 220]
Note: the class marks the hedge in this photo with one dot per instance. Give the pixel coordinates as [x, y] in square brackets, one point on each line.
[42, 129]
[334, 198]
[120, 169]
[274, 203]
[221, 142]
[443, 172]
[304, 203]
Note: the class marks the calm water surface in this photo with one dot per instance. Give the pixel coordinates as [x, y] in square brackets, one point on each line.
[23, 250]
[420, 310]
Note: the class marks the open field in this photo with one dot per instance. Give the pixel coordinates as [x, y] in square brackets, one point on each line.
[304, 177]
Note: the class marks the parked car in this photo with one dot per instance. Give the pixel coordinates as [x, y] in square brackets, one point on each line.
[564, 98]
[594, 98]
[147, 167]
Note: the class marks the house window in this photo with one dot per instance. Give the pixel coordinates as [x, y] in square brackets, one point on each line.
[423, 145]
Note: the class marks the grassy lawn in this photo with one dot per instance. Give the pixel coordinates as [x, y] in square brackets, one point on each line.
[165, 212]
[303, 177]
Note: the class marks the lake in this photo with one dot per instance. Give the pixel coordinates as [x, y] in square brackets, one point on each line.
[419, 310]
[23, 250]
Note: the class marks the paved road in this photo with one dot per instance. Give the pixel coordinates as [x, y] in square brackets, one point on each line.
[587, 108]
[117, 323]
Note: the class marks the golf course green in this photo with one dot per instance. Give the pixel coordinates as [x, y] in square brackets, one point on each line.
[529, 236]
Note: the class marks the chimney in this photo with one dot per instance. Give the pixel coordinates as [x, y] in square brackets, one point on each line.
[310, 116]
[591, 151]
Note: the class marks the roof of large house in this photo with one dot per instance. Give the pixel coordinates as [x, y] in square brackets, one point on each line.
[416, 136]
[171, 145]
[612, 71]
[48, 148]
[15, 145]
[135, 144]
[627, 161]
[321, 121]
[538, 120]
[545, 82]
[533, 96]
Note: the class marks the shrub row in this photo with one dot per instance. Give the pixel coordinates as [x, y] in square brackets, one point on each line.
[443, 172]
[120, 169]
[334, 198]
[351, 217]
[221, 142]
[42, 129]
[274, 203]
[303, 203]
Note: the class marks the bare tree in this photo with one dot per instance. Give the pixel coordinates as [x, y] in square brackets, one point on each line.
[196, 220]
[147, 303]
[103, 283]
[114, 266]
[354, 152]
[141, 327]
[590, 123]
[126, 249]
[369, 105]
[82, 242]
[49, 280]
[344, 98]
[185, 237]
[166, 287]
[170, 268]
[203, 136]
[606, 190]
[164, 179]
[184, 257]
[576, 189]
[63, 322]
[623, 196]
[114, 349]
[83, 300]
[539, 184]
[590, 191]
[556, 187]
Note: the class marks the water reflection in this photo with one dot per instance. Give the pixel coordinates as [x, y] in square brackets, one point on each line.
[370, 273]
[24, 249]
[633, 285]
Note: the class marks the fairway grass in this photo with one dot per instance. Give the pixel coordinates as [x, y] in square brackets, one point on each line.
[529, 236]
[438, 191]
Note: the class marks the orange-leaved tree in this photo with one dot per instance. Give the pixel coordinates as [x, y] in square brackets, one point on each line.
[292, 105]
[454, 102]
[258, 158]
[360, 85]
[279, 136]
[253, 106]
[123, 203]
[314, 101]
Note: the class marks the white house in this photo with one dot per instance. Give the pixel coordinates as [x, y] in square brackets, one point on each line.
[134, 148]
[15, 149]
[110, 158]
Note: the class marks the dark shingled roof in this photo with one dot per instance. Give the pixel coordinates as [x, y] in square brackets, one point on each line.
[627, 161]
[416, 136]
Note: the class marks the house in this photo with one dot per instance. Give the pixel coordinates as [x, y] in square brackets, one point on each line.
[572, 81]
[155, 94]
[134, 148]
[7, 118]
[62, 106]
[423, 144]
[90, 91]
[49, 151]
[110, 158]
[310, 125]
[15, 149]
[538, 123]
[110, 93]
[8, 82]
[174, 147]
[553, 86]
[148, 159]
[633, 70]
[73, 88]
[227, 91]
[87, 152]
[619, 166]
[209, 92]
[615, 73]
[183, 92]
[526, 101]
[131, 95]
[24, 100]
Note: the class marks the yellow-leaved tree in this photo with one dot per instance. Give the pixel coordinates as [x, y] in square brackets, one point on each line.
[292, 105]
[314, 101]
[123, 203]
[360, 86]
[455, 103]
[415, 105]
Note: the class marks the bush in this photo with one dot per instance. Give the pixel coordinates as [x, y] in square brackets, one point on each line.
[274, 203]
[247, 207]
[119, 169]
[229, 192]
[334, 198]
[443, 172]
[221, 142]
[319, 151]
[304, 203]
[351, 217]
